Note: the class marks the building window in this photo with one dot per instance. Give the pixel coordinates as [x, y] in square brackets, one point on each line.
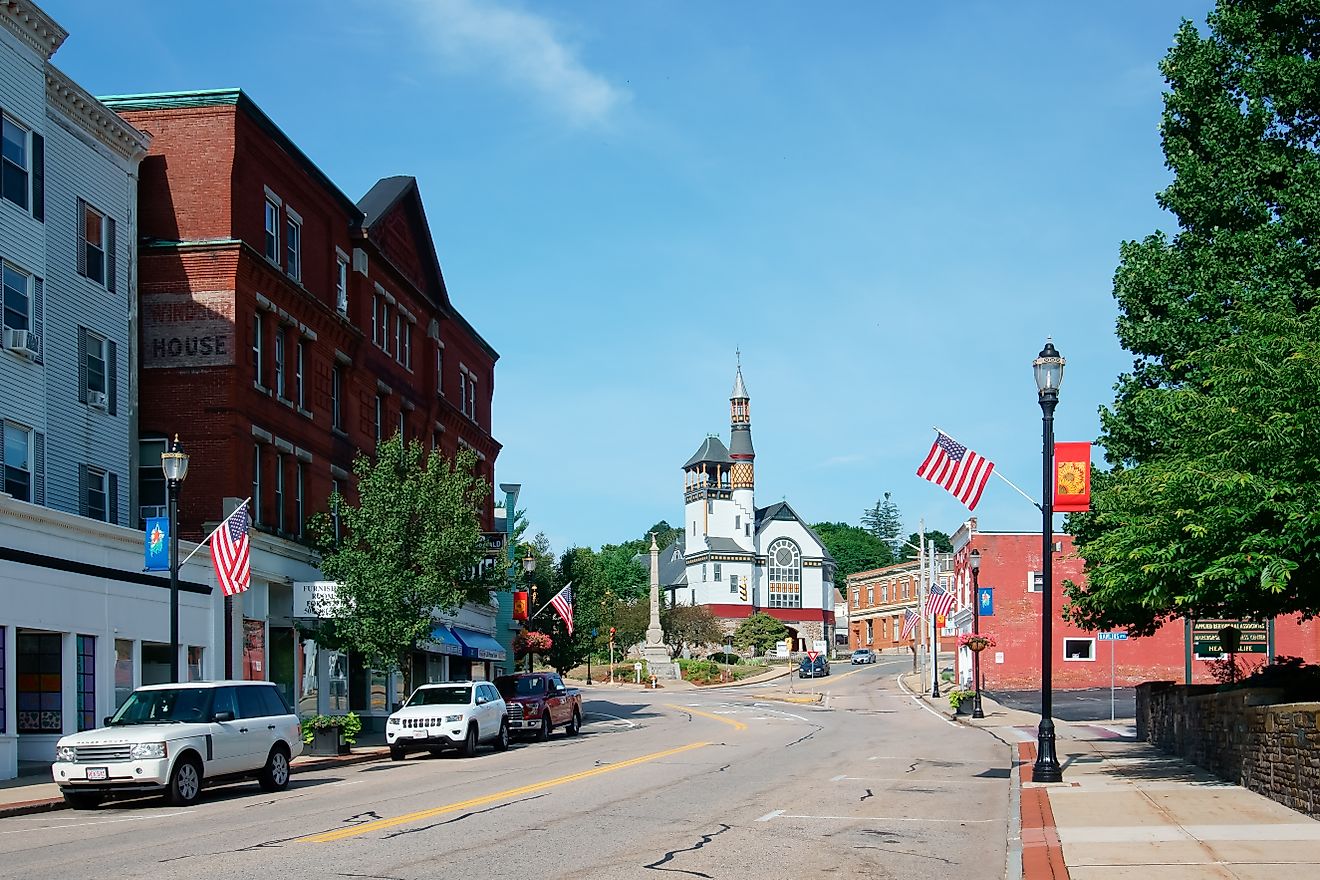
[407, 345]
[95, 365]
[398, 335]
[733, 583]
[298, 498]
[93, 244]
[884, 592]
[462, 391]
[1079, 649]
[719, 573]
[256, 484]
[14, 174]
[96, 497]
[380, 416]
[870, 595]
[293, 248]
[403, 424]
[18, 298]
[258, 351]
[703, 571]
[737, 521]
[279, 492]
[439, 370]
[337, 397]
[870, 632]
[123, 670]
[341, 285]
[272, 231]
[151, 482]
[375, 318]
[298, 366]
[18, 461]
[279, 362]
[87, 683]
[40, 683]
[195, 654]
[857, 597]
[472, 398]
[785, 574]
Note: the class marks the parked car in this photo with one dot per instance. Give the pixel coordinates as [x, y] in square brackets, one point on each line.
[452, 715]
[863, 655]
[809, 668]
[177, 738]
[539, 702]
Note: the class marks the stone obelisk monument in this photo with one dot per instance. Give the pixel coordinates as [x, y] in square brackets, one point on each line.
[655, 653]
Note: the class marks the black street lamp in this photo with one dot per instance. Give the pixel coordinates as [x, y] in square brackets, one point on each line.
[529, 566]
[977, 712]
[1048, 367]
[175, 465]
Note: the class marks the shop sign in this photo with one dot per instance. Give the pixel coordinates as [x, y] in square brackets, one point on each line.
[1205, 638]
[315, 599]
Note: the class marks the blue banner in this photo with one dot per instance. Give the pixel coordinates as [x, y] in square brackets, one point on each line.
[158, 543]
[985, 601]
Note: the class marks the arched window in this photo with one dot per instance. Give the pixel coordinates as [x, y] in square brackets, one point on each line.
[785, 563]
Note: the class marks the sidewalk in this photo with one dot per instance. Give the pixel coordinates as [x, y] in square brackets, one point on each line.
[1127, 810]
[38, 794]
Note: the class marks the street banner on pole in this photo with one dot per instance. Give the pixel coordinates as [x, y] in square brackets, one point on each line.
[158, 544]
[519, 604]
[1072, 477]
[985, 601]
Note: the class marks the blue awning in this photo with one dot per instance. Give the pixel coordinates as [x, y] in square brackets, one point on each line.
[479, 645]
[443, 641]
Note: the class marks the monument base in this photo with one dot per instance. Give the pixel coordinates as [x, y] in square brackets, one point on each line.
[658, 661]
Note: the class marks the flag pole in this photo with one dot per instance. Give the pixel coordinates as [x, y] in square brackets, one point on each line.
[213, 531]
[996, 472]
[552, 598]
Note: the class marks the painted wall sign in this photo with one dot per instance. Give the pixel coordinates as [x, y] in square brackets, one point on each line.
[187, 330]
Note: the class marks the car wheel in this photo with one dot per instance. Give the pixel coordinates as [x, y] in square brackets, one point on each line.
[185, 783]
[502, 740]
[470, 741]
[275, 775]
[397, 754]
[544, 733]
[575, 725]
[83, 800]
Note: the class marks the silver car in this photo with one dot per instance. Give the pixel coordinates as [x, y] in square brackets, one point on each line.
[863, 655]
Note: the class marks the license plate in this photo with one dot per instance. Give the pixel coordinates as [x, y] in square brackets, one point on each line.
[98, 773]
[419, 733]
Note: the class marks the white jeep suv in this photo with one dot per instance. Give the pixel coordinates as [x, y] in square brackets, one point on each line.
[456, 714]
[176, 737]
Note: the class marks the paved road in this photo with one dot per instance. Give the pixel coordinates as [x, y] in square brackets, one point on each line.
[715, 784]
[1091, 704]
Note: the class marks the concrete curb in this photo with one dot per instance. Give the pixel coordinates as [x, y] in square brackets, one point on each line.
[770, 676]
[47, 805]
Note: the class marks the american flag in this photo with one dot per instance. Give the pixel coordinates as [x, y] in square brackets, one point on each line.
[230, 552]
[910, 619]
[958, 469]
[939, 601]
[563, 605]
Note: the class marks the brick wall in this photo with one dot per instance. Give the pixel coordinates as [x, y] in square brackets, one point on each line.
[1244, 736]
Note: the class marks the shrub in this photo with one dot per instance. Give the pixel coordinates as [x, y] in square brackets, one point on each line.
[722, 657]
[349, 725]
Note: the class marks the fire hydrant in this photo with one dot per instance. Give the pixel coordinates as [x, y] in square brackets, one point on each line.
[653, 683]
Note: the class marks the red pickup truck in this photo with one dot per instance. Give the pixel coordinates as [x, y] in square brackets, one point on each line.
[539, 702]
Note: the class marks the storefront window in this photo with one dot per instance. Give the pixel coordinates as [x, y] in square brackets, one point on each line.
[435, 669]
[307, 689]
[194, 663]
[338, 682]
[123, 671]
[379, 691]
[40, 687]
[86, 682]
[254, 649]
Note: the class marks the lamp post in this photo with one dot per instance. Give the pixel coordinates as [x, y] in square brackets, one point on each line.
[976, 628]
[174, 463]
[529, 566]
[1048, 367]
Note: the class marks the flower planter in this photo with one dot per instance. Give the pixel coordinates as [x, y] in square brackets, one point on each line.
[326, 741]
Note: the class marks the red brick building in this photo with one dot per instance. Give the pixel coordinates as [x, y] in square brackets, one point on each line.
[285, 327]
[878, 599]
[1010, 563]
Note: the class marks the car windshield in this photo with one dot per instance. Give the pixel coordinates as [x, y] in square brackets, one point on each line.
[514, 686]
[165, 706]
[455, 695]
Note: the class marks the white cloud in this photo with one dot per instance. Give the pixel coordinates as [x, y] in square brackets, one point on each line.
[522, 49]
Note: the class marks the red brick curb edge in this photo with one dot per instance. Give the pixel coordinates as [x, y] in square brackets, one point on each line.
[1042, 854]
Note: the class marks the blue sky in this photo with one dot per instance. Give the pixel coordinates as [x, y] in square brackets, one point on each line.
[886, 206]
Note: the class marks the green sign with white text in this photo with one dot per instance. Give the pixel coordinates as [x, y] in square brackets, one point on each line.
[1254, 638]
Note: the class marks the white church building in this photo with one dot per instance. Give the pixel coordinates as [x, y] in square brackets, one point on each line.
[738, 559]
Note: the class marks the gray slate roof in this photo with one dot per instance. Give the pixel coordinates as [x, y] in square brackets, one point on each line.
[739, 389]
[673, 569]
[782, 511]
[382, 197]
[711, 451]
[725, 545]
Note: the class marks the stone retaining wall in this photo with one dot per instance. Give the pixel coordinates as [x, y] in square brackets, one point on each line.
[1245, 736]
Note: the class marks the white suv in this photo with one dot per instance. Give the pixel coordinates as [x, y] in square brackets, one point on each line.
[175, 737]
[456, 714]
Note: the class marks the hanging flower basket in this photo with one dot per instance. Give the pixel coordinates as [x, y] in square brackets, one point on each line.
[527, 642]
[976, 642]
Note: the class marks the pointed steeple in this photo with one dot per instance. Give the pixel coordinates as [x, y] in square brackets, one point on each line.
[740, 423]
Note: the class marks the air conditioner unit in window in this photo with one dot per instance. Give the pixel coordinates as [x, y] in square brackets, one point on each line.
[97, 399]
[21, 341]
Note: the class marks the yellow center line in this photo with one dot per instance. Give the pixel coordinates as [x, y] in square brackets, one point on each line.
[369, 827]
[737, 725]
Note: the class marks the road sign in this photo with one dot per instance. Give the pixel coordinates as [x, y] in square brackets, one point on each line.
[812, 655]
[820, 646]
[1112, 636]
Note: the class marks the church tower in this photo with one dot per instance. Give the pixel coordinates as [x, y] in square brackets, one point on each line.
[742, 471]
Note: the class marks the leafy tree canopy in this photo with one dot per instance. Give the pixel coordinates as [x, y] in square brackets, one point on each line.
[943, 543]
[760, 631]
[411, 549]
[884, 522]
[854, 549]
[689, 626]
[1211, 506]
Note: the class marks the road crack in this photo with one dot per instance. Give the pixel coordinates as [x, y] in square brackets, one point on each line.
[394, 834]
[868, 794]
[669, 856]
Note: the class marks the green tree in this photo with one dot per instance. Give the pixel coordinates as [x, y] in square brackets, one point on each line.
[411, 548]
[760, 631]
[1210, 506]
[854, 549]
[943, 543]
[689, 626]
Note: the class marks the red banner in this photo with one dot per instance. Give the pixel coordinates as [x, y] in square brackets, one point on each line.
[520, 605]
[1072, 477]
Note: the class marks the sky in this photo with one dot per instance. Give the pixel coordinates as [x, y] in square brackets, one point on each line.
[886, 207]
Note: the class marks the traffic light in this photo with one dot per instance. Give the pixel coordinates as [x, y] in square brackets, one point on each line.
[611, 634]
[742, 592]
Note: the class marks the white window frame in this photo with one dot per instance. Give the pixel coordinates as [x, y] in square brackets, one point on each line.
[256, 484]
[341, 282]
[298, 497]
[407, 346]
[439, 368]
[1031, 582]
[281, 349]
[26, 168]
[98, 478]
[272, 240]
[337, 396]
[300, 354]
[719, 572]
[28, 293]
[279, 491]
[99, 341]
[783, 598]
[375, 318]
[733, 583]
[258, 349]
[27, 467]
[462, 389]
[293, 244]
[398, 335]
[88, 246]
[1087, 659]
[380, 415]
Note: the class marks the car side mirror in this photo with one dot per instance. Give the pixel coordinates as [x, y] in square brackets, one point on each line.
[481, 701]
[220, 717]
[105, 722]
